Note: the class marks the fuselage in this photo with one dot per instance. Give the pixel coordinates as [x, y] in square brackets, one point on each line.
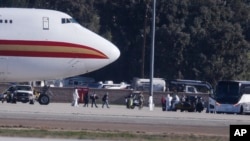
[39, 44]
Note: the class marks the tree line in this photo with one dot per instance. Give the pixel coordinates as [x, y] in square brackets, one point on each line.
[194, 39]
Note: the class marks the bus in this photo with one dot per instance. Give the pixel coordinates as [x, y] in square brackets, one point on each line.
[230, 96]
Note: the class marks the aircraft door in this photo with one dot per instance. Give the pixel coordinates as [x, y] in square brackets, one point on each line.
[3, 68]
[45, 23]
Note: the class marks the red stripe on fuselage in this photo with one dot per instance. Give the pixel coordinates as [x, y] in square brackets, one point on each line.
[87, 52]
[48, 54]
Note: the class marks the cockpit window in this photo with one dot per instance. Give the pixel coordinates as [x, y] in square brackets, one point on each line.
[68, 20]
[6, 21]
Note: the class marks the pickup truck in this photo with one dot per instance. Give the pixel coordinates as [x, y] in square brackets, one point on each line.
[19, 93]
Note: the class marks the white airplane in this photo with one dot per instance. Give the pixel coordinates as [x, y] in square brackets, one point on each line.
[39, 44]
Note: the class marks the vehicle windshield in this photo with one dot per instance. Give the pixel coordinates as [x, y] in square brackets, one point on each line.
[228, 92]
[26, 88]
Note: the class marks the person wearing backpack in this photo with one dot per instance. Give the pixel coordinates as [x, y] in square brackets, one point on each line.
[105, 100]
[93, 98]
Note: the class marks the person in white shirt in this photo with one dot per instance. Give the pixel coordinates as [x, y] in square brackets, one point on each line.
[175, 100]
[168, 102]
[75, 97]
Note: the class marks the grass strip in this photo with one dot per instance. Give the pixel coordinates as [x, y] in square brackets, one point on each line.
[105, 135]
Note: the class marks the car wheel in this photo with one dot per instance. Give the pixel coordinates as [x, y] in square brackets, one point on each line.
[14, 101]
[32, 101]
[241, 111]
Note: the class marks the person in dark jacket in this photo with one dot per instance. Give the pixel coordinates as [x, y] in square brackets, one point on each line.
[93, 98]
[105, 100]
[141, 100]
[86, 100]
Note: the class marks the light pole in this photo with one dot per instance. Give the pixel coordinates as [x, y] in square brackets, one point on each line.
[151, 102]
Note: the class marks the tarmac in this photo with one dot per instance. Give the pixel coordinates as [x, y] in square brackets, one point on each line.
[116, 118]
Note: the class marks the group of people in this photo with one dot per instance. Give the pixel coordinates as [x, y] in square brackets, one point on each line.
[169, 102]
[93, 97]
[134, 99]
[189, 103]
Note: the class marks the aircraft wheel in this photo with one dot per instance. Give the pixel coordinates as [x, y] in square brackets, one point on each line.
[44, 99]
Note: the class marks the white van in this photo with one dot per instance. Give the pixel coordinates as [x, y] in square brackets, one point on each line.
[143, 84]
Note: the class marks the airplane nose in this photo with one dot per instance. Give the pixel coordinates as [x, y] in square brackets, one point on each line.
[114, 53]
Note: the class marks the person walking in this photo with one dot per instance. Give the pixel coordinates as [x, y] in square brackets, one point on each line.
[168, 102]
[86, 100]
[75, 97]
[105, 100]
[93, 98]
[141, 100]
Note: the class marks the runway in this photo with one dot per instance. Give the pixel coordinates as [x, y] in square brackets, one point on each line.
[117, 118]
